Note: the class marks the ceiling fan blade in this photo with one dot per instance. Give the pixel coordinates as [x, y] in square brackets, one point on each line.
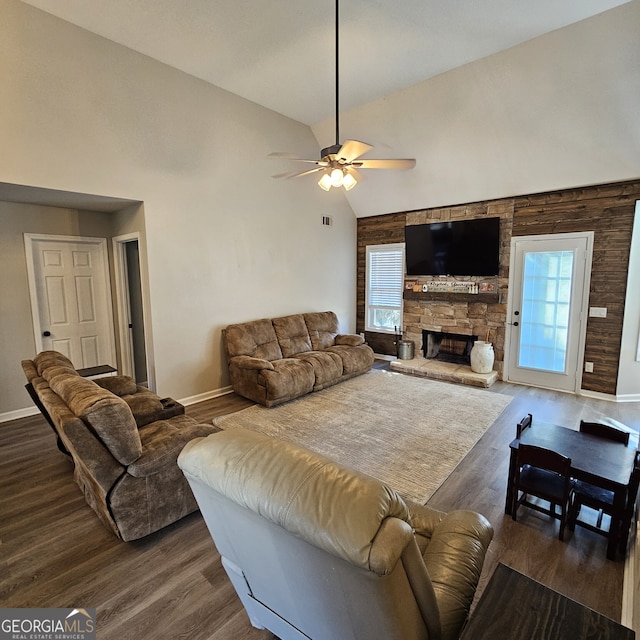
[293, 174]
[400, 163]
[295, 158]
[352, 149]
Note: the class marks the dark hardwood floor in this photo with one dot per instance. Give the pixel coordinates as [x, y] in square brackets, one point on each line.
[55, 553]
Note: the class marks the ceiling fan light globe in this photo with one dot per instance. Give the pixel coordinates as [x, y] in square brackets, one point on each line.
[349, 182]
[337, 178]
[325, 182]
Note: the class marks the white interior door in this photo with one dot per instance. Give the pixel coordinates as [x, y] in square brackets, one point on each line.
[71, 297]
[549, 292]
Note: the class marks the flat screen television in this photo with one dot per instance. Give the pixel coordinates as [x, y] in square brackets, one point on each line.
[459, 248]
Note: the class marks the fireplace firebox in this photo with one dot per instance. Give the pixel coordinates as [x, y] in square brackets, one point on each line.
[447, 347]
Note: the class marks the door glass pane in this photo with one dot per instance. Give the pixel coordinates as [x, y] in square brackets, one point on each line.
[546, 298]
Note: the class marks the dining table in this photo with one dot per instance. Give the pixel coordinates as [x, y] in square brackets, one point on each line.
[598, 461]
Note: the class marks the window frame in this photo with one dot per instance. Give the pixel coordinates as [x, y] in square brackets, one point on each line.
[370, 308]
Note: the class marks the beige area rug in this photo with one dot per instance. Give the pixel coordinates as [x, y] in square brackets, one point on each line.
[408, 432]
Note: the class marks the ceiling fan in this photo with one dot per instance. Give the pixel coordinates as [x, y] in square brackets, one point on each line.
[339, 163]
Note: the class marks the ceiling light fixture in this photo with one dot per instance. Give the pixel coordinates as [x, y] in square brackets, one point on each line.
[339, 163]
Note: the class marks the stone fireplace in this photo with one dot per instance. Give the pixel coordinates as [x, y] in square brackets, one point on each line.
[459, 320]
[447, 347]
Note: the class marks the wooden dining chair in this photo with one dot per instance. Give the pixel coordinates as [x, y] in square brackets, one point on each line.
[524, 424]
[601, 500]
[607, 431]
[544, 474]
[585, 494]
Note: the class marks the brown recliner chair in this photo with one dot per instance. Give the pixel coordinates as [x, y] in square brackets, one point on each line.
[316, 550]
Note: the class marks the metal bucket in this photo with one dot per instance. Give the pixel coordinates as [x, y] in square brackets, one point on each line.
[405, 350]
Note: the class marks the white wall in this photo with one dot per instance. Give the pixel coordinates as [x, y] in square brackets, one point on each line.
[225, 241]
[629, 371]
[556, 112]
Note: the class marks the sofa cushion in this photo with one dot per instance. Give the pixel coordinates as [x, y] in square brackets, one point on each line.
[109, 416]
[256, 339]
[322, 328]
[349, 340]
[120, 385]
[293, 335]
[145, 407]
[162, 442]
[289, 379]
[50, 372]
[355, 360]
[47, 359]
[327, 367]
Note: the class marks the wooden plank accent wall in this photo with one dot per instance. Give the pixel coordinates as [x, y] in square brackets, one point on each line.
[385, 229]
[607, 210]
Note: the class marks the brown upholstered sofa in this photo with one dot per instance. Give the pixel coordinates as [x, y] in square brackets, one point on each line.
[124, 442]
[275, 360]
[316, 550]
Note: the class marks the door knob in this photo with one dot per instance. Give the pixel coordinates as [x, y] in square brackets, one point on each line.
[516, 313]
[46, 334]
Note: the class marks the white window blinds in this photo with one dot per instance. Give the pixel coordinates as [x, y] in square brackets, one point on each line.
[384, 280]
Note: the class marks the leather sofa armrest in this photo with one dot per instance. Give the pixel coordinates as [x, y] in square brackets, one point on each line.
[424, 519]
[349, 340]
[454, 559]
[248, 362]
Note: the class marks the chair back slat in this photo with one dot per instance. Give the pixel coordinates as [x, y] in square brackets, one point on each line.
[606, 431]
[525, 423]
[543, 459]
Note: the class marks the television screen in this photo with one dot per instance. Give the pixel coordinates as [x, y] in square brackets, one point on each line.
[459, 248]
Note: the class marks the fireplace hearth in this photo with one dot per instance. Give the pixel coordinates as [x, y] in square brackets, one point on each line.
[447, 347]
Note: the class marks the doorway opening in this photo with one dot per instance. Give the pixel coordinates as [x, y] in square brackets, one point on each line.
[130, 303]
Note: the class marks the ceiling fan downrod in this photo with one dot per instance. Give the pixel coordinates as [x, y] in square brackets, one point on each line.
[337, 77]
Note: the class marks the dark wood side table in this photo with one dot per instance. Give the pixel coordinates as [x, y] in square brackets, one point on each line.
[100, 370]
[515, 607]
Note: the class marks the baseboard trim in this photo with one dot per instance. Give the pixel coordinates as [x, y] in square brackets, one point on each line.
[208, 395]
[384, 356]
[597, 395]
[628, 397]
[18, 413]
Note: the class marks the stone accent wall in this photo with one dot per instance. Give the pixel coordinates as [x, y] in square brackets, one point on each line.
[479, 314]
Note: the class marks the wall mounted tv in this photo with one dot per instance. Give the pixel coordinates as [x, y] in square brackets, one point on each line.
[458, 248]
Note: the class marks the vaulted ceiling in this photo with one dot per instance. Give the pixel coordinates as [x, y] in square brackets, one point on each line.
[280, 53]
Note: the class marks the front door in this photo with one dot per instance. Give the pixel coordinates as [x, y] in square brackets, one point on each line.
[71, 297]
[549, 292]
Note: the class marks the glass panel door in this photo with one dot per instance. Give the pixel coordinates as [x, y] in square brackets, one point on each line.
[548, 294]
[546, 300]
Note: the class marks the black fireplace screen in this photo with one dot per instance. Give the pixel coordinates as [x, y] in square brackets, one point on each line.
[448, 347]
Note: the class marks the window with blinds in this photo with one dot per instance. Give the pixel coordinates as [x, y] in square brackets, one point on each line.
[384, 286]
